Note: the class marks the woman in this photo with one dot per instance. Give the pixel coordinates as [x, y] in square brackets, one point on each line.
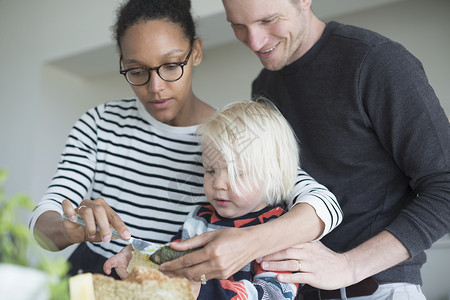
[140, 157]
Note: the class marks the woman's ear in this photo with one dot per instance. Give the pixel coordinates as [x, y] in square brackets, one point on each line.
[197, 52]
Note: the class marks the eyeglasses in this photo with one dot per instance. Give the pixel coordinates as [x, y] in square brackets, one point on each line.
[168, 72]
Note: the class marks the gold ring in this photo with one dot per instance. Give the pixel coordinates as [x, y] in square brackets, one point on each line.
[203, 279]
[79, 208]
[299, 266]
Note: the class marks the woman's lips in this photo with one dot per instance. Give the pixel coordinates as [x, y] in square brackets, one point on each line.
[160, 104]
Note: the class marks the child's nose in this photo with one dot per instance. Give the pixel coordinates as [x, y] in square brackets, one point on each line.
[221, 181]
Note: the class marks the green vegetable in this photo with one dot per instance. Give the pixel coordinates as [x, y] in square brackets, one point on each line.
[166, 253]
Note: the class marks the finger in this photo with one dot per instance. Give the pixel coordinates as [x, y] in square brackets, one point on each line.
[69, 210]
[109, 264]
[192, 243]
[284, 265]
[113, 219]
[90, 225]
[180, 263]
[121, 259]
[127, 252]
[202, 273]
[295, 278]
[195, 288]
[196, 264]
[171, 274]
[184, 261]
[192, 273]
[117, 223]
[123, 273]
[102, 222]
[286, 254]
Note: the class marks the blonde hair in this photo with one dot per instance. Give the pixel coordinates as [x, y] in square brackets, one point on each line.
[258, 145]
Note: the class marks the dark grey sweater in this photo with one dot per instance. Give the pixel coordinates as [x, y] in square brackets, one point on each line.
[372, 130]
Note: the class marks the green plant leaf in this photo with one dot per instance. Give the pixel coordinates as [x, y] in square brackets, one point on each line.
[60, 289]
[3, 175]
[15, 241]
[58, 267]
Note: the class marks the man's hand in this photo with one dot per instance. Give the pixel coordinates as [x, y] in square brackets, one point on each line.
[318, 266]
[311, 263]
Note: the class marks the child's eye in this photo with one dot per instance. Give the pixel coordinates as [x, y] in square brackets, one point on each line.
[209, 171]
[240, 172]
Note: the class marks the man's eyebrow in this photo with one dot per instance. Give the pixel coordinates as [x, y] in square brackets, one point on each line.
[231, 22]
[263, 18]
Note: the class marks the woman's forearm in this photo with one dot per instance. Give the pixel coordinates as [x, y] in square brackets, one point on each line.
[299, 225]
[49, 231]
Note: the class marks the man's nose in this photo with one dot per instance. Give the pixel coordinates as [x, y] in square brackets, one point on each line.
[256, 38]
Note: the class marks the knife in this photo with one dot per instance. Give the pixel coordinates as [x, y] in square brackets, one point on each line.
[138, 244]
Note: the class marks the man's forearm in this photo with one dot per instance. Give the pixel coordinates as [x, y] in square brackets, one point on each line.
[375, 255]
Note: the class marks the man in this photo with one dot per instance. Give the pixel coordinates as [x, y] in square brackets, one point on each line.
[371, 130]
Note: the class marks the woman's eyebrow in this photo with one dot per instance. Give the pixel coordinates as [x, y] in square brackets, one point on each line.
[168, 54]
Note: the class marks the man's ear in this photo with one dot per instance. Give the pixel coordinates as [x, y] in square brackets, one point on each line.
[306, 4]
[197, 52]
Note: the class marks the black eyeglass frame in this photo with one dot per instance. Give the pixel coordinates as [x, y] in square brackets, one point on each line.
[148, 69]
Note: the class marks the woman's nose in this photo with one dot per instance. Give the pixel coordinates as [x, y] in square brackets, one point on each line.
[156, 83]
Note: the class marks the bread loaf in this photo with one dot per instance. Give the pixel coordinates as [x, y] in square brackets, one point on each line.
[140, 259]
[142, 283]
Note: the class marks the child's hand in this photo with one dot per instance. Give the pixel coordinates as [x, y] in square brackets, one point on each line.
[120, 262]
[195, 286]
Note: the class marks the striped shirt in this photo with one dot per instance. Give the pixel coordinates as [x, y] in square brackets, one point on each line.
[150, 173]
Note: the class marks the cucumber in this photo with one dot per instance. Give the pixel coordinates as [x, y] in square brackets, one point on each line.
[166, 253]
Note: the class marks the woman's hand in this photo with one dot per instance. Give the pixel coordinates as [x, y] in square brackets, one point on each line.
[224, 252]
[120, 262]
[311, 263]
[98, 216]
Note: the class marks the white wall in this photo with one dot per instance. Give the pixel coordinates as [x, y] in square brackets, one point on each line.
[40, 101]
[225, 74]
[32, 33]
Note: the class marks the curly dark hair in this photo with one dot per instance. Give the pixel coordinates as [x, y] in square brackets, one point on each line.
[133, 12]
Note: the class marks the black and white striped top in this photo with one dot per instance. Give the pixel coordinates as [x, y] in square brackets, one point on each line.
[150, 173]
